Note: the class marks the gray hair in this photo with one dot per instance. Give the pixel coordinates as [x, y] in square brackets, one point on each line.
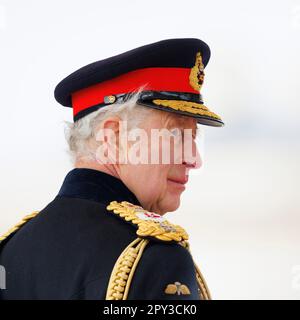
[79, 133]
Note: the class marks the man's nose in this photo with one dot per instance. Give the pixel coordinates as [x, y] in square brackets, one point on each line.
[193, 161]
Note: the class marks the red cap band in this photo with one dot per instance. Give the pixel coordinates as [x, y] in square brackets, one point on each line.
[156, 79]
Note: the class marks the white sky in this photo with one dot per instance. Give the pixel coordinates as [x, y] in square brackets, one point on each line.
[242, 209]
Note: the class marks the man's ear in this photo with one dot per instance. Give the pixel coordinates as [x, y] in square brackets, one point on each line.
[111, 123]
[108, 134]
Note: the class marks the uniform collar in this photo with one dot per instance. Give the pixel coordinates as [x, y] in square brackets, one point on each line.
[95, 185]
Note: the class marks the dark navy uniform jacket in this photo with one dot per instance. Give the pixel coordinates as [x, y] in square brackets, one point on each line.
[69, 249]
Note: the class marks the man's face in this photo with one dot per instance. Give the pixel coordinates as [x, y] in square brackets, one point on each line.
[159, 184]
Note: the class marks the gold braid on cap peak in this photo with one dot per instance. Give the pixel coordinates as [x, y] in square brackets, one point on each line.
[18, 225]
[149, 223]
[187, 106]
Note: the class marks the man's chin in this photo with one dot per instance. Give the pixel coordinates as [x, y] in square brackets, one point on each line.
[171, 205]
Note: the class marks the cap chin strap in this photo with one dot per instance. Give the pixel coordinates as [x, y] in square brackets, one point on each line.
[150, 95]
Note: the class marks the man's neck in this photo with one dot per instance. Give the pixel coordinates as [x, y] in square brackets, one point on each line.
[106, 168]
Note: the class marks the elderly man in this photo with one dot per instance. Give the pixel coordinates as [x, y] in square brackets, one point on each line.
[104, 235]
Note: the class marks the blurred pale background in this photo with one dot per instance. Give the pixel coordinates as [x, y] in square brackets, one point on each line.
[242, 208]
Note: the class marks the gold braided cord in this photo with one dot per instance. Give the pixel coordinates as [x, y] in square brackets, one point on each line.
[186, 106]
[19, 225]
[204, 292]
[163, 230]
[120, 272]
[141, 249]
[123, 271]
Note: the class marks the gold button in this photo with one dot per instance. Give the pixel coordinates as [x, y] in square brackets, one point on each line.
[109, 99]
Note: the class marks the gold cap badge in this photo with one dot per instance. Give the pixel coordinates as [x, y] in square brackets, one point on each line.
[197, 73]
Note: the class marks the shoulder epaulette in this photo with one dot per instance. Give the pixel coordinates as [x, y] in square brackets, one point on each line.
[150, 226]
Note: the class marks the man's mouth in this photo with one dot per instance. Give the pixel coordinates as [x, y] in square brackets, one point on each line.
[179, 181]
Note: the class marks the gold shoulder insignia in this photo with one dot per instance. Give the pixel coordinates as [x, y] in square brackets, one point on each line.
[177, 288]
[149, 224]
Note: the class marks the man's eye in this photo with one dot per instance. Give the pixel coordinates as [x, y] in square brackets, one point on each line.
[176, 132]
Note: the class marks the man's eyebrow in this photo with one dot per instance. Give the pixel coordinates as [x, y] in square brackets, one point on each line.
[180, 123]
